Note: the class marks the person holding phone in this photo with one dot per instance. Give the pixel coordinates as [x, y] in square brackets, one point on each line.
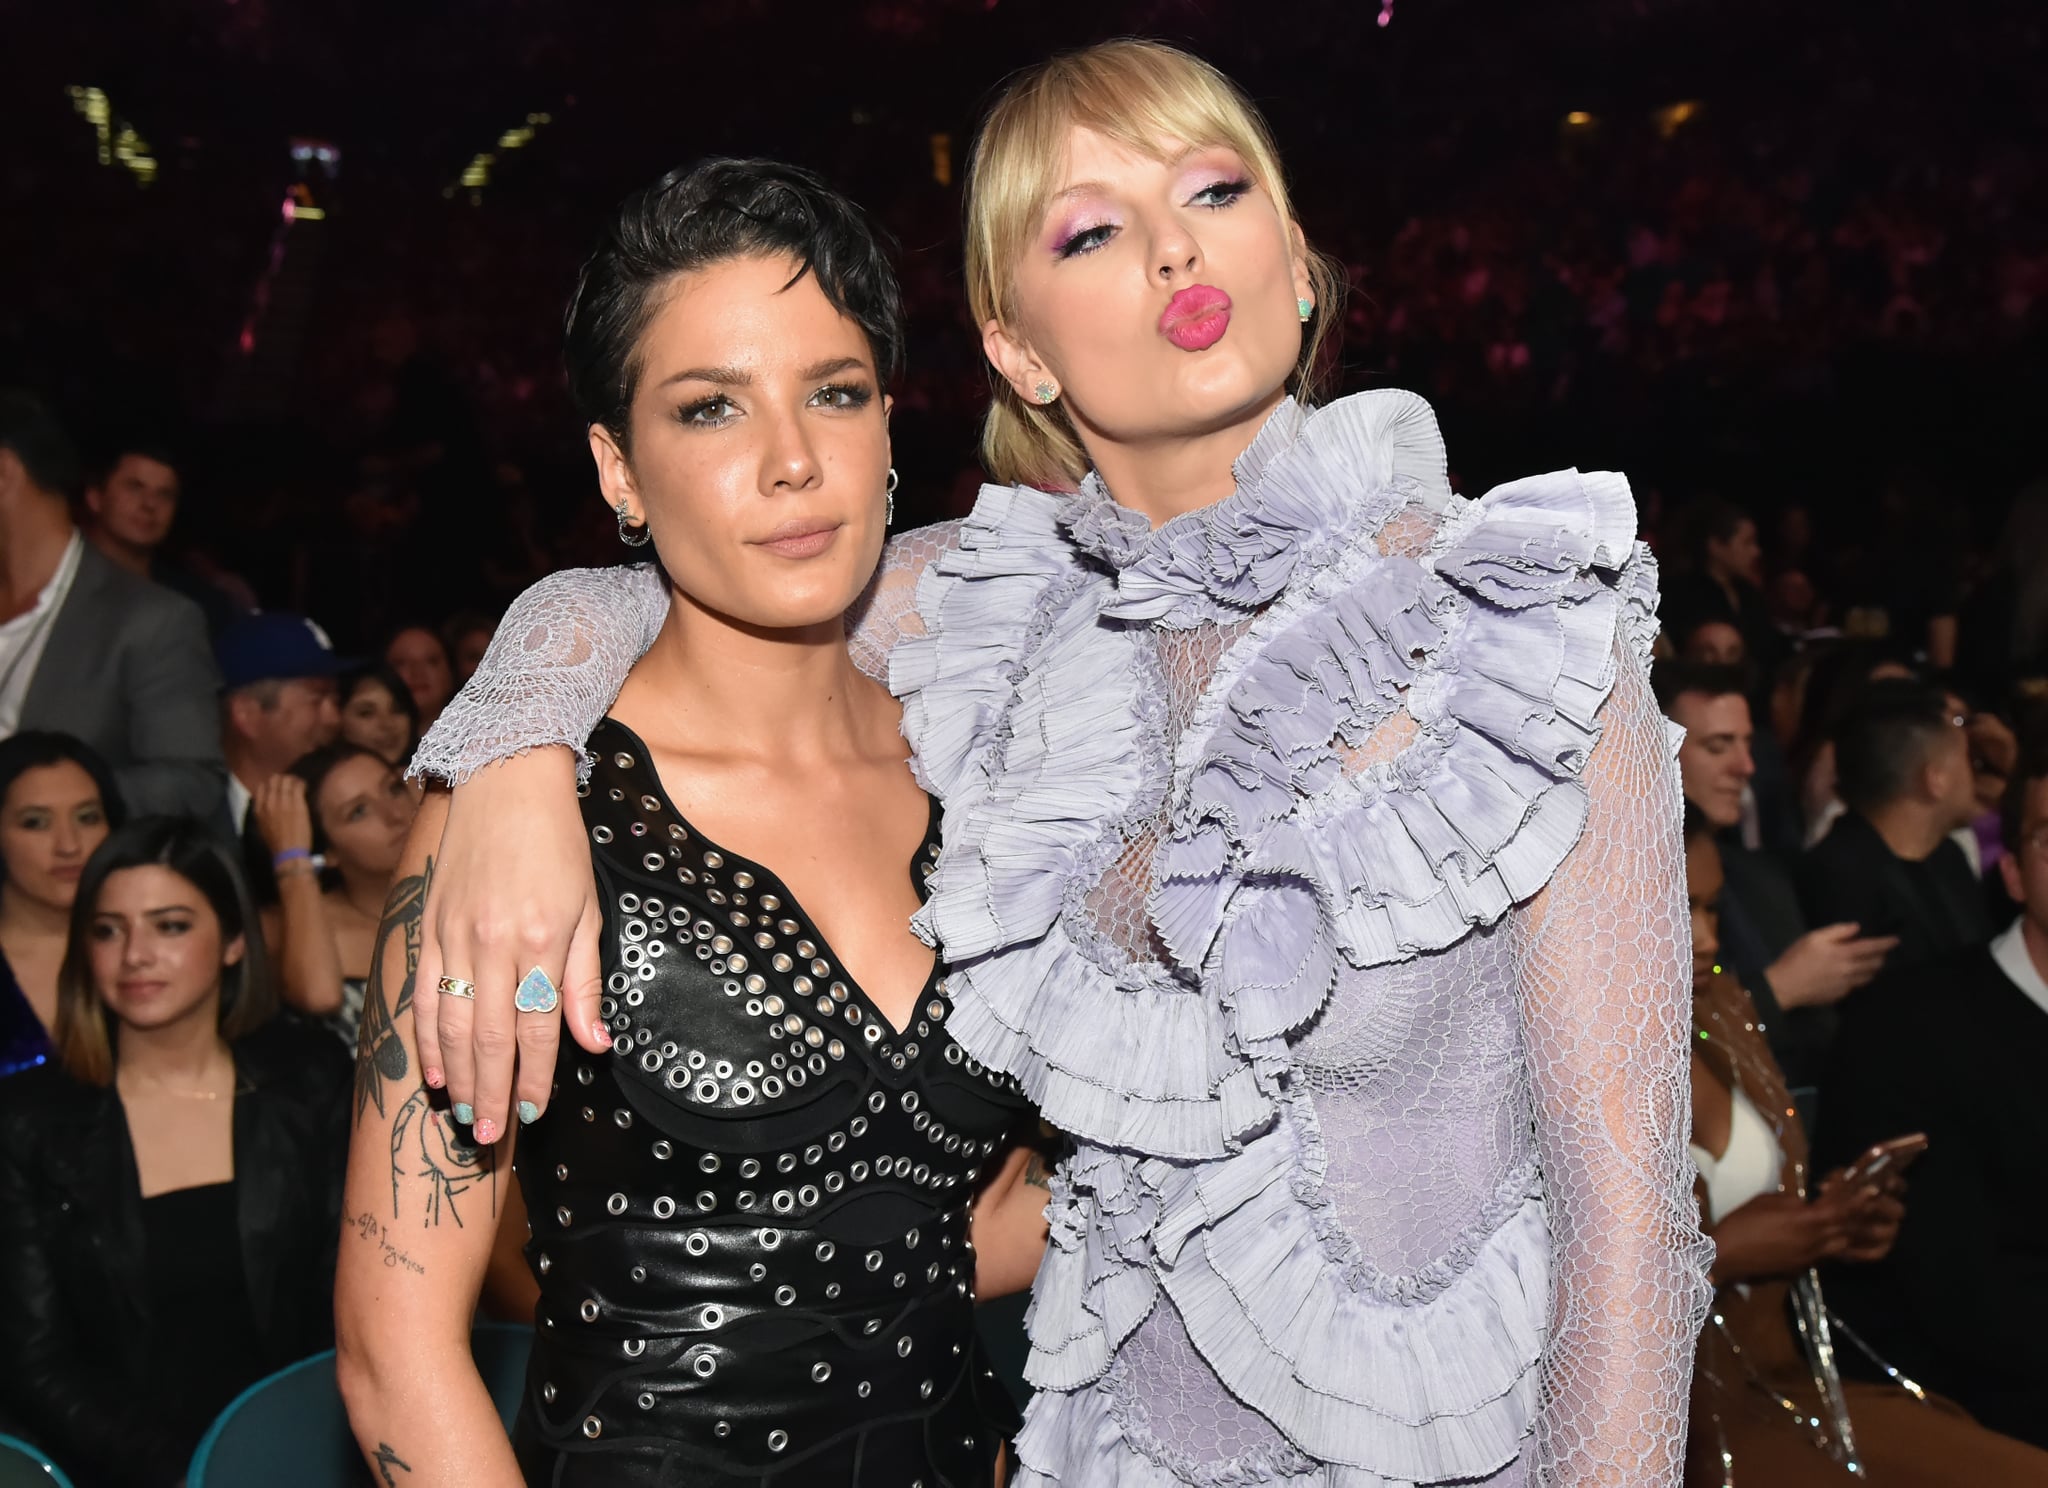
[1769, 1405]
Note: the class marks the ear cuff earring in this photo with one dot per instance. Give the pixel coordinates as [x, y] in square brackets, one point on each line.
[632, 534]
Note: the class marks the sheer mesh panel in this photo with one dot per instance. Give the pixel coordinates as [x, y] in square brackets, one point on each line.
[1185, 661]
[1606, 992]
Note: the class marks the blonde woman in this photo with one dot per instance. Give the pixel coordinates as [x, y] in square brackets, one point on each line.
[1311, 851]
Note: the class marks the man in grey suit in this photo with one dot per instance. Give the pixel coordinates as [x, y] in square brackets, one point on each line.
[91, 650]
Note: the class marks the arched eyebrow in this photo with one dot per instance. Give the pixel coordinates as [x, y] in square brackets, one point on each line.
[740, 377]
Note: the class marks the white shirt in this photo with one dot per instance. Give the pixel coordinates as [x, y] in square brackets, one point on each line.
[2010, 952]
[23, 638]
[238, 801]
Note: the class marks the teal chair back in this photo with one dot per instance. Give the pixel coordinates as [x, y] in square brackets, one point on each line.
[292, 1427]
[22, 1466]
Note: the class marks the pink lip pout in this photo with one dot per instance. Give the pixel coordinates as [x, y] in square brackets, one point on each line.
[802, 537]
[1196, 318]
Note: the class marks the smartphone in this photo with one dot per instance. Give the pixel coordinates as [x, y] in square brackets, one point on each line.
[1894, 1156]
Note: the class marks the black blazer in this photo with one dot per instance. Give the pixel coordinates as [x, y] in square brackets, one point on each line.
[1760, 919]
[1961, 1304]
[74, 1303]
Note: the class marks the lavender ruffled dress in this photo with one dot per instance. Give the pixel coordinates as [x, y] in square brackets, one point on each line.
[1313, 861]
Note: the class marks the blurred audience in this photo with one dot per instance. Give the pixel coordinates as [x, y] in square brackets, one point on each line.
[329, 832]
[378, 713]
[280, 702]
[1889, 864]
[466, 637]
[133, 502]
[1725, 584]
[57, 803]
[89, 649]
[1794, 974]
[1765, 1411]
[1956, 1050]
[420, 657]
[170, 1181]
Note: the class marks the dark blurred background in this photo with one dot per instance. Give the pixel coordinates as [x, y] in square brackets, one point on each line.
[1791, 255]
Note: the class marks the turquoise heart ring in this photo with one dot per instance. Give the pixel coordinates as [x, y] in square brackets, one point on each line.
[536, 993]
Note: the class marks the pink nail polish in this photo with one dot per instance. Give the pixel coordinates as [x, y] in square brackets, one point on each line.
[486, 1131]
[435, 1079]
[603, 1033]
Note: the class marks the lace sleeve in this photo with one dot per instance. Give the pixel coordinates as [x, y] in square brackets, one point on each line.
[555, 666]
[887, 611]
[1606, 976]
[563, 650]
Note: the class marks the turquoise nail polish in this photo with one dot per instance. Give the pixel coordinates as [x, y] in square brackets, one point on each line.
[464, 1112]
[528, 1113]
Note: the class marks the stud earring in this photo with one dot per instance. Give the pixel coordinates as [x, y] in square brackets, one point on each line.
[632, 534]
[889, 499]
[1306, 309]
[1046, 392]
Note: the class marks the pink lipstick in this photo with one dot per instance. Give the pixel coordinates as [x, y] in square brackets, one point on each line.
[1196, 318]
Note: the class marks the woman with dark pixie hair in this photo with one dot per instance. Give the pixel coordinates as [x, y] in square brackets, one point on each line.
[762, 1214]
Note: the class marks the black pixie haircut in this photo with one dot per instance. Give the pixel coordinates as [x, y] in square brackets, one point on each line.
[690, 219]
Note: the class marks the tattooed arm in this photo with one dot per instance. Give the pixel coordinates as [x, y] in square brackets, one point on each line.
[419, 1221]
[1008, 1224]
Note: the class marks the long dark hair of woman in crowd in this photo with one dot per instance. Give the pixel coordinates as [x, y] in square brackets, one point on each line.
[170, 1180]
[58, 801]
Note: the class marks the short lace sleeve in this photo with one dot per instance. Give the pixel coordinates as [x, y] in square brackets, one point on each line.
[563, 650]
[554, 667]
[1606, 974]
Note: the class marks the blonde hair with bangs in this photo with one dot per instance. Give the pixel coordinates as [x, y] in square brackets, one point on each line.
[1140, 94]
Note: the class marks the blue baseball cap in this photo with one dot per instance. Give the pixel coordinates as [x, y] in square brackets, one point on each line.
[274, 647]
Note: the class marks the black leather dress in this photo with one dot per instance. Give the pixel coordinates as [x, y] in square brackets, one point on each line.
[750, 1219]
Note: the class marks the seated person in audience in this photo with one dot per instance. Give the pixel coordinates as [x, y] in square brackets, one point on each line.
[1794, 974]
[133, 499]
[57, 803]
[170, 1181]
[1711, 642]
[280, 702]
[378, 714]
[1752, 1374]
[329, 832]
[421, 657]
[1958, 1050]
[1902, 769]
[90, 649]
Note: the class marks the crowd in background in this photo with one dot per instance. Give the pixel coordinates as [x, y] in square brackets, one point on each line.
[1809, 328]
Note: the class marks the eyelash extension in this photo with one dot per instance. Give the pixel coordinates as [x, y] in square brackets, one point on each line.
[689, 412]
[857, 395]
[1072, 247]
[1234, 190]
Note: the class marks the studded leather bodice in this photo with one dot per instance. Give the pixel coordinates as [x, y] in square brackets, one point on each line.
[750, 1218]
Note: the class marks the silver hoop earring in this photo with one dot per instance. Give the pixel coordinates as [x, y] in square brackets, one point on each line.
[632, 534]
[889, 499]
